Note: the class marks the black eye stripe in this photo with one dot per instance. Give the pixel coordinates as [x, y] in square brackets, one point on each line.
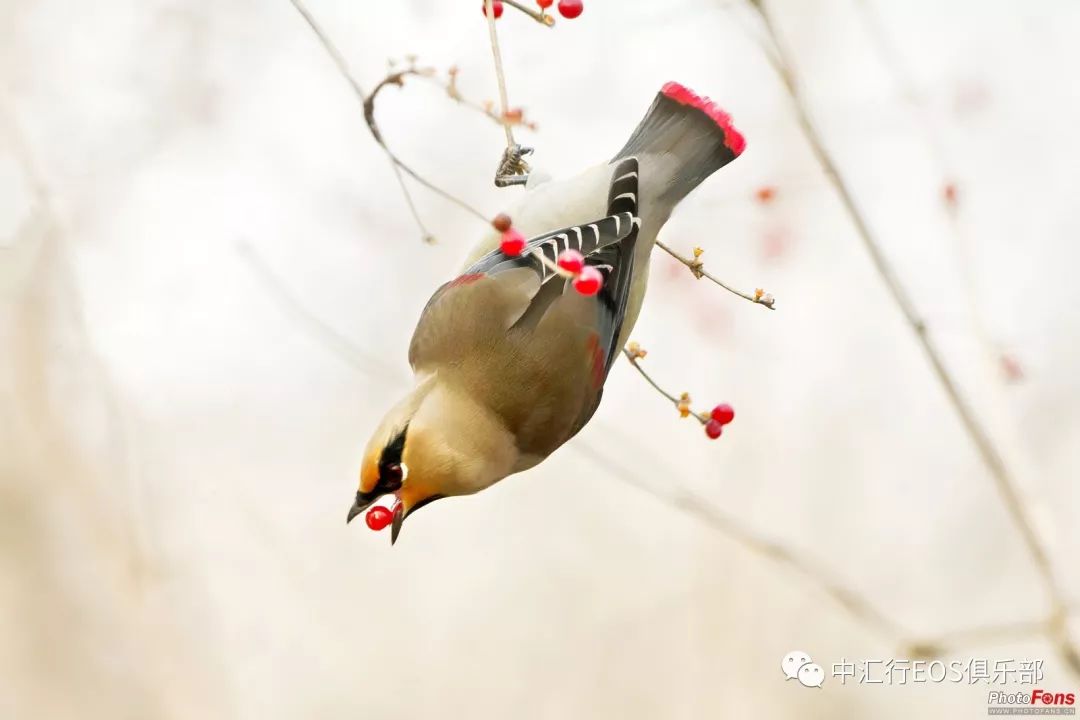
[390, 462]
[391, 454]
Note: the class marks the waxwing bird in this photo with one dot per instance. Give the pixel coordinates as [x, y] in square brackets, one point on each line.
[509, 360]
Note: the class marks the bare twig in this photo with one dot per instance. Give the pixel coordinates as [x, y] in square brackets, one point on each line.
[554, 267]
[780, 57]
[425, 233]
[697, 267]
[493, 35]
[397, 78]
[512, 117]
[368, 102]
[540, 17]
[634, 353]
[512, 168]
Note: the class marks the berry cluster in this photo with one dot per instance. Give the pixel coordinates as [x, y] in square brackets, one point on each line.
[714, 421]
[569, 9]
[587, 279]
[720, 416]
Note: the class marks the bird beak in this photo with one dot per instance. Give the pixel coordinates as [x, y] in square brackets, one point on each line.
[399, 518]
[363, 502]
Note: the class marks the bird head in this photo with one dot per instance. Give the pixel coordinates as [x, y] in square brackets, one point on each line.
[399, 462]
[434, 444]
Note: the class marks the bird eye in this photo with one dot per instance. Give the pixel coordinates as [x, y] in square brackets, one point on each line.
[392, 472]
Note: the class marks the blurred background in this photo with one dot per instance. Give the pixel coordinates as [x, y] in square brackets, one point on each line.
[209, 277]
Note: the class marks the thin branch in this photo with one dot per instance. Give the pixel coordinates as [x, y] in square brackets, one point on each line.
[512, 117]
[780, 57]
[493, 35]
[554, 267]
[425, 233]
[369, 116]
[541, 17]
[512, 168]
[398, 78]
[634, 353]
[697, 267]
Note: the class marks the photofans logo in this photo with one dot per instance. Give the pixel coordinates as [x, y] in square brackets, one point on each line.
[1037, 702]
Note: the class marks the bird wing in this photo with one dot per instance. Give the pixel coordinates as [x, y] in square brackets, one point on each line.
[513, 322]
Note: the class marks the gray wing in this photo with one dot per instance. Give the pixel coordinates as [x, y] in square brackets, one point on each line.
[499, 292]
[514, 319]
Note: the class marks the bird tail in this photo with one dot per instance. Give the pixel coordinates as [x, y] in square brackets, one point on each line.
[684, 138]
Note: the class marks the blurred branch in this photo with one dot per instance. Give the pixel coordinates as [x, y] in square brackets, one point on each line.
[780, 58]
[319, 330]
[853, 602]
[697, 268]
[892, 60]
[997, 634]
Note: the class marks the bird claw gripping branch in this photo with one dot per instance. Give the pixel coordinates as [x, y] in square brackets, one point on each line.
[513, 170]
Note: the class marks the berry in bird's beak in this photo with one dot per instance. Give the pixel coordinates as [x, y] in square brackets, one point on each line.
[378, 518]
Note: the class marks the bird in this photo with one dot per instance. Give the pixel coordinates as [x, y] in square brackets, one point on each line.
[510, 361]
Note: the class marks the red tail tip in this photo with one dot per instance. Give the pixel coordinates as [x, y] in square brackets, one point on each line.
[685, 96]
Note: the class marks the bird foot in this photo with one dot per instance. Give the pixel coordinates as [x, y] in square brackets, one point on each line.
[513, 170]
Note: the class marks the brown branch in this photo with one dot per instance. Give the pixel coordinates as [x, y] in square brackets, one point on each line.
[634, 353]
[512, 167]
[500, 76]
[512, 117]
[697, 268]
[394, 78]
[541, 17]
[780, 58]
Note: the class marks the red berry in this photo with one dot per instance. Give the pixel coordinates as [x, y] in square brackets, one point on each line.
[544, 4]
[571, 261]
[501, 222]
[713, 428]
[378, 517]
[723, 413]
[570, 9]
[496, 7]
[513, 243]
[589, 281]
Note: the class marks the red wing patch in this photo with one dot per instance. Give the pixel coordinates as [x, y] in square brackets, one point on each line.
[464, 279]
[595, 356]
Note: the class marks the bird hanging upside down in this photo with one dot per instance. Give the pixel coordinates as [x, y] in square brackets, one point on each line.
[510, 361]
